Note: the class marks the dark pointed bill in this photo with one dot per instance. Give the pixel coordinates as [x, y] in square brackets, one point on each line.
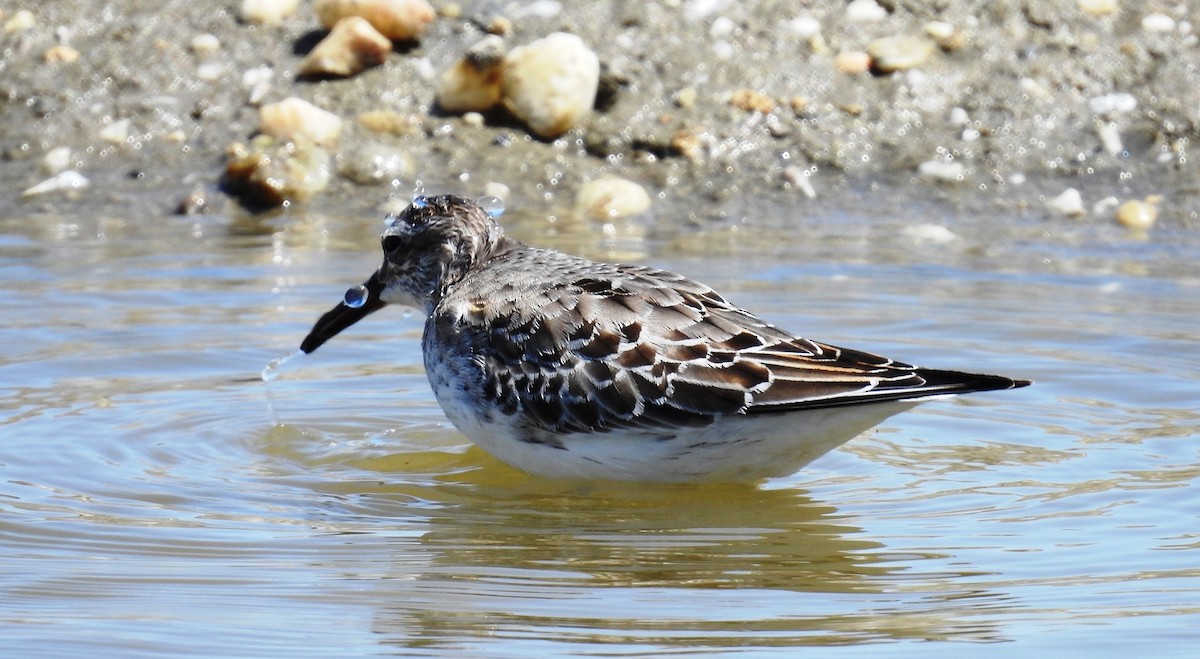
[360, 302]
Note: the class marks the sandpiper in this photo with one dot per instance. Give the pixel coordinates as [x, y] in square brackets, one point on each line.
[569, 368]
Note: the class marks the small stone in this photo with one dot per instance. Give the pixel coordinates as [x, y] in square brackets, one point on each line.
[1110, 138]
[865, 11]
[929, 233]
[1097, 7]
[267, 12]
[473, 83]
[268, 172]
[941, 170]
[68, 181]
[115, 132]
[56, 160]
[20, 21]
[891, 54]
[685, 98]
[211, 71]
[1139, 215]
[852, 62]
[350, 48]
[805, 27]
[257, 82]
[294, 117]
[551, 84]
[398, 20]
[193, 203]
[1113, 104]
[609, 198]
[1069, 203]
[205, 44]
[61, 55]
[690, 144]
[752, 101]
[388, 121]
[947, 37]
[500, 26]
[1158, 23]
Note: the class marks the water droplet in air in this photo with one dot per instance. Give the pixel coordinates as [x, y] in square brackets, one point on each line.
[493, 206]
[271, 370]
[356, 297]
[418, 196]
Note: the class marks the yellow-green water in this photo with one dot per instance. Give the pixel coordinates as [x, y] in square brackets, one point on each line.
[149, 504]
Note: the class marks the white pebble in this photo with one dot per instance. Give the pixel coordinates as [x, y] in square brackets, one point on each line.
[538, 9]
[473, 83]
[294, 117]
[20, 21]
[1068, 203]
[1110, 138]
[801, 178]
[56, 160]
[398, 20]
[930, 233]
[722, 27]
[257, 82]
[211, 71]
[267, 11]
[353, 46]
[1097, 7]
[940, 170]
[959, 117]
[1116, 103]
[68, 181]
[865, 11]
[609, 198]
[1158, 22]
[116, 132]
[805, 27]
[205, 44]
[551, 84]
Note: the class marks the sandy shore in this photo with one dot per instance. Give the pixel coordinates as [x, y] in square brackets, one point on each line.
[1014, 103]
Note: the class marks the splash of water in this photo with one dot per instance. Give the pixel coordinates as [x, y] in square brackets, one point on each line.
[270, 372]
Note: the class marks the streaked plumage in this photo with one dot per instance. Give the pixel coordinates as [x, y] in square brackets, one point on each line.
[569, 368]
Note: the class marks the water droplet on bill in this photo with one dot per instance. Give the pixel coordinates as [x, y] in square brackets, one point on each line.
[356, 297]
[493, 206]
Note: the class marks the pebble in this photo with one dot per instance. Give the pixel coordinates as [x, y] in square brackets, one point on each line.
[1110, 138]
[350, 48]
[1158, 22]
[865, 11]
[898, 53]
[473, 83]
[852, 62]
[1115, 103]
[267, 12]
[398, 20]
[1097, 7]
[551, 84]
[295, 117]
[1069, 203]
[389, 121]
[1139, 214]
[752, 101]
[115, 132]
[270, 172]
[56, 160]
[67, 181]
[947, 37]
[257, 82]
[205, 44]
[61, 54]
[211, 71]
[805, 27]
[610, 198]
[929, 233]
[20, 21]
[685, 98]
[941, 170]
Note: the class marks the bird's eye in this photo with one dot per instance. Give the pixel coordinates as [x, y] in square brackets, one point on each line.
[392, 243]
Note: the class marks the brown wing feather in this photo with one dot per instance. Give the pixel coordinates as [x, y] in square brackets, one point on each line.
[617, 346]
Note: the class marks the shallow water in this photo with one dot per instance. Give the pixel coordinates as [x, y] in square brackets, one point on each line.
[150, 504]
